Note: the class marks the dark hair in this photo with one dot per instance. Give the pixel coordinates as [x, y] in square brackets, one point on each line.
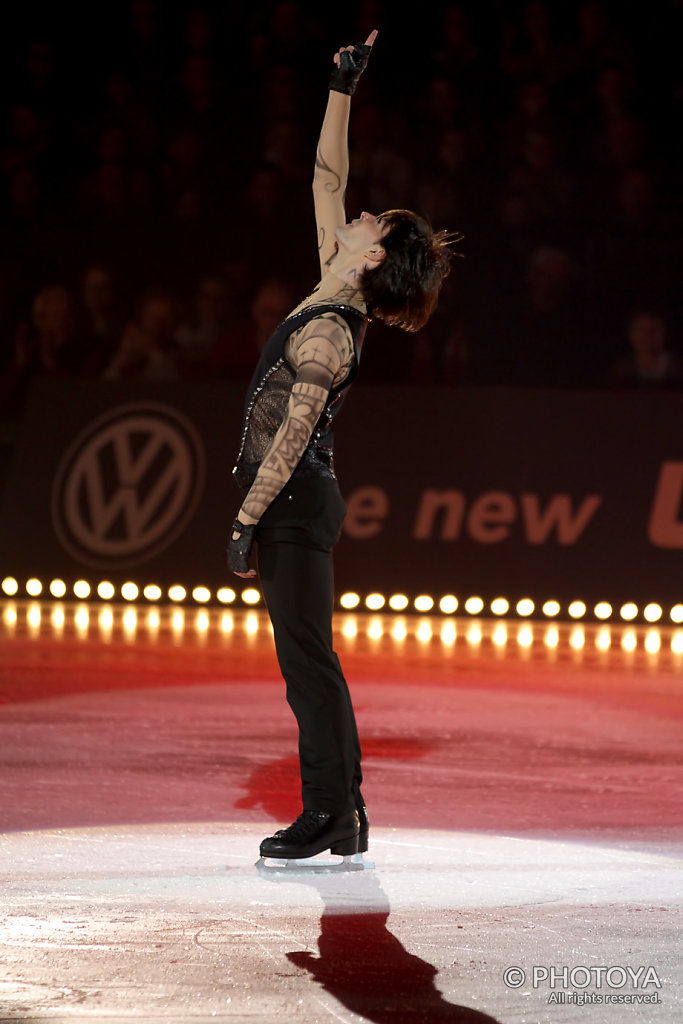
[403, 289]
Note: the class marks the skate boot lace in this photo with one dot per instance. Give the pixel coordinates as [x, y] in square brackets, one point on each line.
[302, 827]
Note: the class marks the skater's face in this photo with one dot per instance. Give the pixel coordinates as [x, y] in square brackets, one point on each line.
[363, 235]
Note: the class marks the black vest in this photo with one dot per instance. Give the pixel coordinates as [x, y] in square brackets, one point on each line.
[268, 394]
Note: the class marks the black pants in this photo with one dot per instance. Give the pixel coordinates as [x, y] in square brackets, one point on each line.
[295, 540]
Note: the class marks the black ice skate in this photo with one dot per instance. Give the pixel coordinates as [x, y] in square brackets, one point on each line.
[314, 832]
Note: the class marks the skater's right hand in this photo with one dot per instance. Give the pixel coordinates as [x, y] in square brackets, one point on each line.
[239, 549]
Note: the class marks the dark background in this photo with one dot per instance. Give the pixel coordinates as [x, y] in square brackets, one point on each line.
[156, 223]
[168, 143]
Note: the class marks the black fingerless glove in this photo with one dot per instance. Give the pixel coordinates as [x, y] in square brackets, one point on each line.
[351, 64]
[238, 550]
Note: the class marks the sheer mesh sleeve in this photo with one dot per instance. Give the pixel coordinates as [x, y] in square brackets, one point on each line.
[321, 352]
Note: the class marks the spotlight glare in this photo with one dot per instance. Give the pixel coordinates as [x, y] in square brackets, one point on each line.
[577, 639]
[226, 595]
[653, 642]
[652, 612]
[525, 636]
[33, 617]
[677, 642]
[551, 609]
[577, 609]
[473, 636]
[57, 618]
[448, 633]
[152, 592]
[424, 603]
[10, 586]
[130, 620]
[58, 588]
[552, 637]
[603, 640]
[201, 594]
[525, 607]
[628, 611]
[251, 596]
[500, 606]
[676, 613]
[398, 602]
[474, 605]
[375, 630]
[350, 627]
[202, 621]
[399, 632]
[129, 591]
[629, 641]
[34, 587]
[424, 633]
[448, 604]
[82, 589]
[374, 602]
[153, 619]
[350, 600]
[178, 620]
[251, 624]
[105, 590]
[106, 619]
[602, 610]
[177, 593]
[500, 636]
[82, 620]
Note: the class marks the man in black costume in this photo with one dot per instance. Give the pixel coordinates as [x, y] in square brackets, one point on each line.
[388, 267]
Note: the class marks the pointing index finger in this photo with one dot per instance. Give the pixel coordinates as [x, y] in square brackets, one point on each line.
[371, 38]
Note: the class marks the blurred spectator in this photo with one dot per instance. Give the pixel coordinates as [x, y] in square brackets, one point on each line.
[199, 30]
[651, 361]
[236, 351]
[378, 159]
[283, 29]
[148, 350]
[28, 139]
[541, 178]
[534, 335]
[46, 345]
[533, 110]
[101, 318]
[599, 43]
[534, 48]
[198, 333]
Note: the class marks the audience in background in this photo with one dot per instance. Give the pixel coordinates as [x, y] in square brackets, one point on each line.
[651, 362]
[177, 147]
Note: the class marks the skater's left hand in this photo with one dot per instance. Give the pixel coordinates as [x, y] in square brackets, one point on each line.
[350, 62]
[239, 549]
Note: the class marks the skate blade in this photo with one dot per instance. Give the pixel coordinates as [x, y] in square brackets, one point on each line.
[312, 866]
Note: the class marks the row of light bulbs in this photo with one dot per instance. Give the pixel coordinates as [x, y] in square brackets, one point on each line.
[523, 635]
[447, 605]
[500, 606]
[106, 591]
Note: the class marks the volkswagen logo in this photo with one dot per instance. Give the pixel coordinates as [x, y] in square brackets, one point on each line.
[128, 485]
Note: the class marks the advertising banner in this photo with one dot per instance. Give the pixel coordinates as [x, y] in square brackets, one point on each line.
[493, 492]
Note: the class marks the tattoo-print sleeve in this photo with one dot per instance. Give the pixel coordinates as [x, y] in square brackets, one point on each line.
[332, 180]
[319, 358]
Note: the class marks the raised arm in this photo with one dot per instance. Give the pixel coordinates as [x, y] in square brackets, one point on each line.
[332, 156]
